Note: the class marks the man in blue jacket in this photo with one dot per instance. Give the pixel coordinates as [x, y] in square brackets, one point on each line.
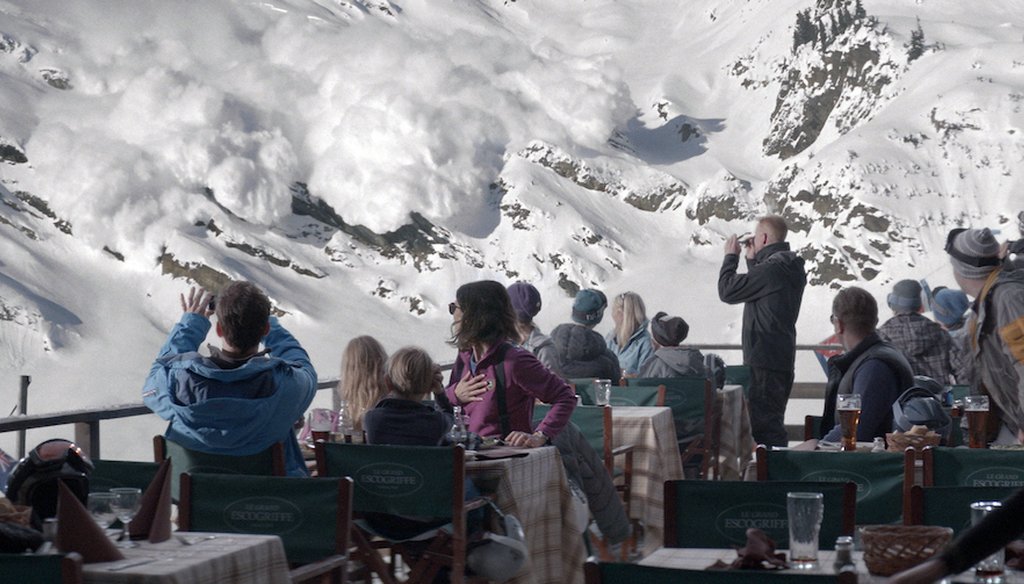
[771, 291]
[239, 400]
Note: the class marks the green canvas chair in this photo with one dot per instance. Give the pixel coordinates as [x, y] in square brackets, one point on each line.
[109, 474]
[622, 573]
[637, 396]
[270, 462]
[407, 481]
[950, 506]
[313, 517]
[716, 514]
[738, 375]
[41, 568]
[972, 467]
[883, 479]
[691, 399]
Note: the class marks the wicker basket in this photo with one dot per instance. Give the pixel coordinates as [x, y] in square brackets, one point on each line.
[893, 548]
[899, 441]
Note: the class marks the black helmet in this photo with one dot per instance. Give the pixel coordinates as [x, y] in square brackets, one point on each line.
[920, 405]
[34, 481]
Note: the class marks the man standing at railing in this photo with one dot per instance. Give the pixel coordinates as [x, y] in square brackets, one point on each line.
[239, 400]
[771, 292]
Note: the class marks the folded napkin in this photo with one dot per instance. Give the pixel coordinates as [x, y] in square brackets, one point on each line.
[153, 520]
[78, 532]
[758, 554]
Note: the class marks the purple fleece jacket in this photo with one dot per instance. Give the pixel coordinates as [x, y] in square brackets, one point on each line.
[526, 380]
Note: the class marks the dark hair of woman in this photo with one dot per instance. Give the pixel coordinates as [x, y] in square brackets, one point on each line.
[487, 316]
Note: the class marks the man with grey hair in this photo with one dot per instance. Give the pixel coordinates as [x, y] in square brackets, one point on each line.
[923, 341]
[771, 291]
[996, 335]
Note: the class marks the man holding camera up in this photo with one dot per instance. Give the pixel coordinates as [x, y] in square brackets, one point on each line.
[996, 337]
[771, 292]
[239, 400]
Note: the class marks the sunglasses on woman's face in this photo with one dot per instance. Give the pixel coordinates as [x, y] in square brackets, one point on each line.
[452, 307]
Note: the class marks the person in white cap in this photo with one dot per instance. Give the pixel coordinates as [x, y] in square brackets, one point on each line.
[996, 336]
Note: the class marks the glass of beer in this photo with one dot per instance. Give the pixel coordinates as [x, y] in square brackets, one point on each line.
[976, 410]
[320, 422]
[848, 410]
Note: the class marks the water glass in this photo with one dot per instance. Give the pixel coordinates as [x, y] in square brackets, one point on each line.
[848, 412]
[101, 507]
[602, 391]
[976, 410]
[989, 570]
[126, 505]
[805, 511]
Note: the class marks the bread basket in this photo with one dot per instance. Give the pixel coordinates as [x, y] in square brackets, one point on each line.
[889, 549]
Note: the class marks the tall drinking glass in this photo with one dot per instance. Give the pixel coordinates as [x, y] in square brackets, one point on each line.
[848, 410]
[976, 410]
[602, 391]
[320, 423]
[805, 511]
[126, 505]
[101, 507]
[989, 570]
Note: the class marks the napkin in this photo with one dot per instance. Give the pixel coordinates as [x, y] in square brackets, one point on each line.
[154, 517]
[758, 554]
[78, 532]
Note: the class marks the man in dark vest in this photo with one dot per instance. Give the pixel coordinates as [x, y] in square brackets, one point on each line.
[870, 367]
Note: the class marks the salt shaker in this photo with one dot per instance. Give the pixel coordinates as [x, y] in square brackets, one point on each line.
[879, 445]
[844, 553]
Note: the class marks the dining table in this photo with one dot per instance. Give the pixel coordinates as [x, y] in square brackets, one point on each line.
[530, 483]
[701, 558]
[652, 432]
[735, 442]
[197, 558]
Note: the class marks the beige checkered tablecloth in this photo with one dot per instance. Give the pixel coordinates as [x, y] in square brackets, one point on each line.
[652, 433]
[534, 489]
[226, 558]
[736, 444]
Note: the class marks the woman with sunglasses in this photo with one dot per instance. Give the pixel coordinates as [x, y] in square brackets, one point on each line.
[490, 366]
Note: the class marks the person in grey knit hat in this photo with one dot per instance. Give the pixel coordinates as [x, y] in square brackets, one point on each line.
[997, 335]
[923, 341]
[669, 359]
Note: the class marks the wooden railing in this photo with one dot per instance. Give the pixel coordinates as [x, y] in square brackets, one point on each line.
[87, 421]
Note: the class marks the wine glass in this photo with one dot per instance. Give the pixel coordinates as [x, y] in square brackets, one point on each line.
[101, 507]
[126, 505]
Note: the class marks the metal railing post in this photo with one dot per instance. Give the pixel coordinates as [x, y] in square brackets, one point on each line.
[23, 409]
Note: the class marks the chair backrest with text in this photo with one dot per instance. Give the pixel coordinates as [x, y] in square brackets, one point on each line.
[311, 516]
[408, 481]
[879, 476]
[973, 467]
[716, 514]
[269, 462]
[950, 506]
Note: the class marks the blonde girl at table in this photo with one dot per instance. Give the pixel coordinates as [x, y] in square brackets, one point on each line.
[629, 340]
[362, 377]
[489, 365]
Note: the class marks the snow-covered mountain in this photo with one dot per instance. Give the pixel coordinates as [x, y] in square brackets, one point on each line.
[361, 159]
